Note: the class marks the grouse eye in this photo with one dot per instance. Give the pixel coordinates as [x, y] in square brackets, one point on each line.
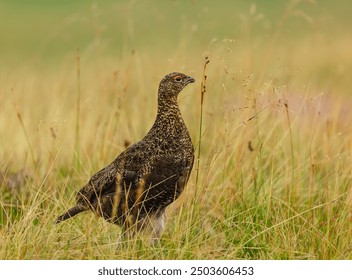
[178, 79]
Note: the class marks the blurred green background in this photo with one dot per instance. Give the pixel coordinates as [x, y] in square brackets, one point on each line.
[48, 31]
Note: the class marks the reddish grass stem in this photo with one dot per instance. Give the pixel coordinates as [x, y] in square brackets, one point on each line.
[76, 159]
[202, 92]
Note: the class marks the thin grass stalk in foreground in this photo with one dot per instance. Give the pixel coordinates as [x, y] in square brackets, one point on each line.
[202, 92]
[292, 159]
[30, 147]
[76, 159]
[193, 215]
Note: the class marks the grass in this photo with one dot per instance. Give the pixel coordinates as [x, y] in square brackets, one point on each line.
[274, 177]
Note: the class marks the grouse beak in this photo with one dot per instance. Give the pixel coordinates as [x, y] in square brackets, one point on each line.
[189, 80]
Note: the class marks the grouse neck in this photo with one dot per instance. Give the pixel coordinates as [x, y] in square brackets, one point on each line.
[168, 107]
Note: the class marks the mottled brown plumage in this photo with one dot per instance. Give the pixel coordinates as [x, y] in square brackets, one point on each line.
[142, 181]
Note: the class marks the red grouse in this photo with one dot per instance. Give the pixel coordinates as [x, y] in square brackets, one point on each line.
[134, 190]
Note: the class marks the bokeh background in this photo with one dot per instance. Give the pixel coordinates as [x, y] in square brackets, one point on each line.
[47, 30]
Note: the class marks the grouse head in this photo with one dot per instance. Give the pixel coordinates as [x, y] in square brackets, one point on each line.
[171, 85]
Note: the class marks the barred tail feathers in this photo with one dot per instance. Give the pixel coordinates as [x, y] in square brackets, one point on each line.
[70, 213]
